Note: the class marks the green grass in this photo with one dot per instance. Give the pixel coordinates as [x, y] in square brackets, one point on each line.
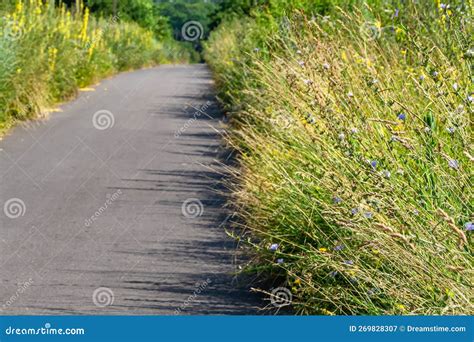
[48, 52]
[355, 151]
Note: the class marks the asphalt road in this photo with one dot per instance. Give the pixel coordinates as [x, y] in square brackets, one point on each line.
[112, 207]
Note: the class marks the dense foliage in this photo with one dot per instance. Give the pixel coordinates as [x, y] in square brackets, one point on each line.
[352, 124]
[71, 49]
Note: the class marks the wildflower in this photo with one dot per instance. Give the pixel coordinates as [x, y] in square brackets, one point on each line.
[298, 52]
[469, 226]
[373, 163]
[400, 172]
[401, 116]
[256, 50]
[273, 247]
[341, 136]
[386, 173]
[401, 307]
[470, 53]
[368, 215]
[354, 211]
[395, 15]
[333, 274]
[337, 200]
[421, 78]
[450, 130]
[375, 81]
[455, 86]
[307, 82]
[354, 130]
[297, 281]
[339, 248]
[416, 212]
[443, 6]
[453, 163]
[323, 250]
[371, 292]
[350, 94]
[301, 63]
[470, 98]
[434, 74]
[349, 262]
[280, 261]
[427, 129]
[326, 66]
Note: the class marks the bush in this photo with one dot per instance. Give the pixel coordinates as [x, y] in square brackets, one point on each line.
[353, 132]
[48, 52]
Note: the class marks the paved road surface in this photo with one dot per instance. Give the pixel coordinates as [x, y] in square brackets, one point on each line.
[93, 220]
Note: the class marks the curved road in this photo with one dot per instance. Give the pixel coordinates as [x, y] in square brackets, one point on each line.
[110, 206]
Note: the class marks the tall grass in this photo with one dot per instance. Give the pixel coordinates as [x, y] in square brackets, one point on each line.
[48, 52]
[354, 132]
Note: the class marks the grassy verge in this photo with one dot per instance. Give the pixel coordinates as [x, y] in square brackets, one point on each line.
[354, 138]
[48, 52]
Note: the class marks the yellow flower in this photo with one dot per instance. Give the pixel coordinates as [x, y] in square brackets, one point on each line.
[400, 307]
[327, 312]
[298, 282]
[323, 250]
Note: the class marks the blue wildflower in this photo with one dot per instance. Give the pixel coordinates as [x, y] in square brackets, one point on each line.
[273, 247]
[354, 211]
[339, 248]
[373, 163]
[349, 262]
[401, 116]
[368, 215]
[469, 226]
[333, 274]
[337, 200]
[280, 261]
[453, 163]
[451, 130]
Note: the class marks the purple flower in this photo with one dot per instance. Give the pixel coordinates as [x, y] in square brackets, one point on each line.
[469, 226]
[401, 116]
[451, 130]
[349, 262]
[422, 77]
[339, 248]
[337, 200]
[354, 211]
[453, 163]
[273, 247]
[280, 261]
[396, 13]
[368, 215]
[333, 274]
[373, 163]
